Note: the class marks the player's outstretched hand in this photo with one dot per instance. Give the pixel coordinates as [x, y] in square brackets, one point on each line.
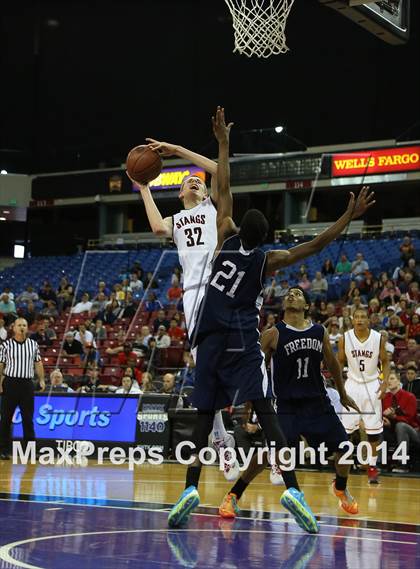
[347, 402]
[164, 148]
[364, 201]
[220, 129]
[382, 389]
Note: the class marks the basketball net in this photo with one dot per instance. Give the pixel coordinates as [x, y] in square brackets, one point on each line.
[259, 26]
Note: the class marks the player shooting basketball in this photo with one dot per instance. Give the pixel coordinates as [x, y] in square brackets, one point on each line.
[194, 232]
[230, 365]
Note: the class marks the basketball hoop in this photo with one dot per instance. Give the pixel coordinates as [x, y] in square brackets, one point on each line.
[259, 26]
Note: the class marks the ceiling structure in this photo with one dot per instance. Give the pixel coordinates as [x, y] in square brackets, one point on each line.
[83, 82]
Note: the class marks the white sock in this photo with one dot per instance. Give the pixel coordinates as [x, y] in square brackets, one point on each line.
[219, 431]
[373, 460]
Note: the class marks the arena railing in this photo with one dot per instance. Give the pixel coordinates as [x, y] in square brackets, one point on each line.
[388, 226]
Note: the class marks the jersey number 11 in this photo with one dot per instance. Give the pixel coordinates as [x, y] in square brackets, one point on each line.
[303, 367]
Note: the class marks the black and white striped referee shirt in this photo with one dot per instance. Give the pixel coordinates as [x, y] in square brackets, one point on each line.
[19, 358]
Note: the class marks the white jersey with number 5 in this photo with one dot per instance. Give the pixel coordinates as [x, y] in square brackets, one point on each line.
[195, 235]
[362, 357]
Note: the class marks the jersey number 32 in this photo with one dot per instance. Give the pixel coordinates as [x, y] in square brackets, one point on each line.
[193, 236]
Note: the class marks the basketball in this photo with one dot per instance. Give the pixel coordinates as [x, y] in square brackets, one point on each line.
[143, 164]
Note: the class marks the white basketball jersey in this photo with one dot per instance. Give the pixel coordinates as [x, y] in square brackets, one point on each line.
[362, 357]
[195, 235]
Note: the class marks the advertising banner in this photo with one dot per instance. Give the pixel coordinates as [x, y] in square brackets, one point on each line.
[171, 178]
[153, 424]
[75, 417]
[386, 160]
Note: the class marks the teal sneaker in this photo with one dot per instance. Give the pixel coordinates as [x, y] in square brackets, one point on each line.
[294, 502]
[180, 513]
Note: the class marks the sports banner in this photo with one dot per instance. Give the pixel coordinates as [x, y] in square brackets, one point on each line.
[87, 418]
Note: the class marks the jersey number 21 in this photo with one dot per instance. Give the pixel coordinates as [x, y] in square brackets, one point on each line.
[228, 276]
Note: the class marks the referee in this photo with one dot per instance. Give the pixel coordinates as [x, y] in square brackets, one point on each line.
[19, 357]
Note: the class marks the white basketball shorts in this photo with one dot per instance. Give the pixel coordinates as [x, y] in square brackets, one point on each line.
[366, 398]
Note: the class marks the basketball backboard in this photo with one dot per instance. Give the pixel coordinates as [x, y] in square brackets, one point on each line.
[389, 20]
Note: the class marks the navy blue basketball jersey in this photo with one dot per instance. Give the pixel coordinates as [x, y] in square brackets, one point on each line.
[233, 297]
[296, 364]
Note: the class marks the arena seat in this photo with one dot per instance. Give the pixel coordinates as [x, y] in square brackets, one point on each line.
[73, 362]
[76, 371]
[174, 357]
[111, 370]
[49, 361]
[108, 380]
[51, 352]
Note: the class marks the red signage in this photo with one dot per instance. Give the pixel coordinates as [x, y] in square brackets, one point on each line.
[381, 161]
[298, 184]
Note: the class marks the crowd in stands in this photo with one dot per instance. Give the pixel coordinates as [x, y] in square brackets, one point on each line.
[84, 340]
[392, 300]
[122, 339]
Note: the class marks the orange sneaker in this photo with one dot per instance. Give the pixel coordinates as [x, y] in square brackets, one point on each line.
[347, 502]
[229, 507]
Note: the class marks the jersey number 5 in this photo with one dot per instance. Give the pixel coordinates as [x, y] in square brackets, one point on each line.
[190, 237]
[228, 276]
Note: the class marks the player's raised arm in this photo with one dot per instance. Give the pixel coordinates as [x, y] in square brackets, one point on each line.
[160, 226]
[210, 166]
[335, 370]
[355, 208]
[222, 133]
[225, 223]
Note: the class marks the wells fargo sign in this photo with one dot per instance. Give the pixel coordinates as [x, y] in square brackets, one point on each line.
[376, 161]
[171, 178]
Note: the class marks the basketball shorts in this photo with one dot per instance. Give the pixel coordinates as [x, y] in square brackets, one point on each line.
[366, 398]
[314, 419]
[230, 370]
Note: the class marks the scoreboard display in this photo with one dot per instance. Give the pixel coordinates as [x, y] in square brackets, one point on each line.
[389, 20]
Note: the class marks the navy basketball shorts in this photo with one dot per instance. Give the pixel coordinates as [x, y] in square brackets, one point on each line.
[230, 370]
[314, 419]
